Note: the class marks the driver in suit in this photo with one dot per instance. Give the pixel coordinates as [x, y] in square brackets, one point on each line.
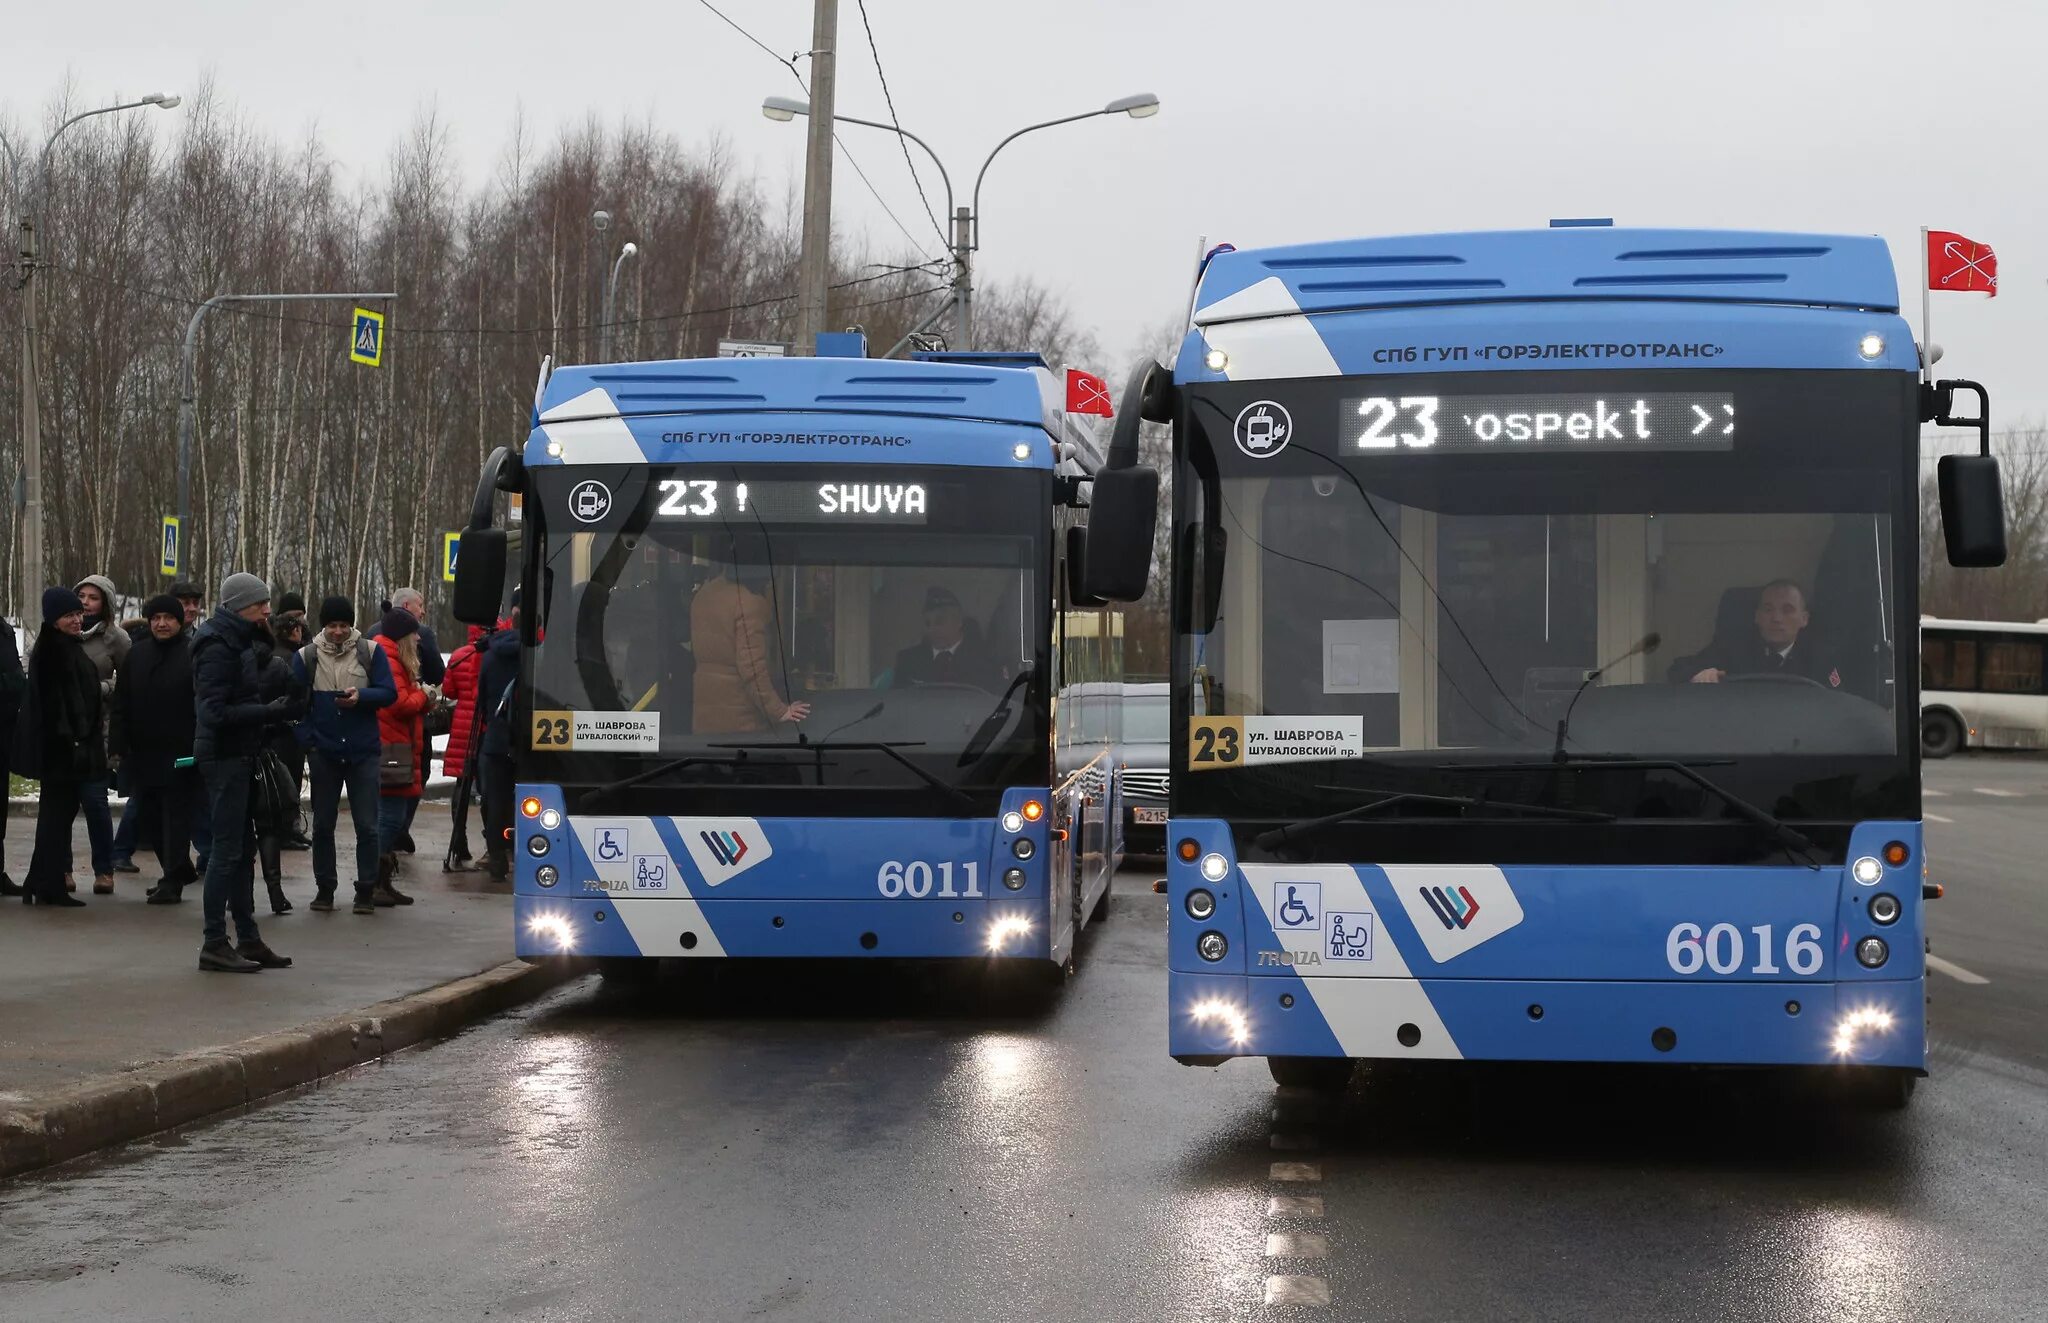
[945, 655]
[1776, 648]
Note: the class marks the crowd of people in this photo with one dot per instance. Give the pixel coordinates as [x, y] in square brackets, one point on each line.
[212, 725]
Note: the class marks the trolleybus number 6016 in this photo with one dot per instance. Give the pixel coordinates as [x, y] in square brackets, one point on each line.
[1722, 948]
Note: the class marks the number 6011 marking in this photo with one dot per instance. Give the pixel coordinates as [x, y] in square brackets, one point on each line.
[1688, 949]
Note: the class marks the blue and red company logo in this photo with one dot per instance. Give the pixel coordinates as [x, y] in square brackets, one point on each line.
[1455, 907]
[729, 847]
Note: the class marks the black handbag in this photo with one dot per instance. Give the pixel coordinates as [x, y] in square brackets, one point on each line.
[273, 799]
[398, 765]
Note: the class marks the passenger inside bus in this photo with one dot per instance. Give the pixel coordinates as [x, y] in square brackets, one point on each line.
[732, 635]
[1777, 639]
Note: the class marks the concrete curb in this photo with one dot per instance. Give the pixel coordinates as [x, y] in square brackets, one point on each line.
[163, 1094]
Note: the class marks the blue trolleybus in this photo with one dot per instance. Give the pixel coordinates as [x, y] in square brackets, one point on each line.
[793, 635]
[1544, 638]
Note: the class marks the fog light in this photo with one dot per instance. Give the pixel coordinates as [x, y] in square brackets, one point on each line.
[551, 819]
[1884, 907]
[1872, 952]
[1215, 867]
[1200, 904]
[1871, 346]
[1216, 360]
[1213, 946]
[1856, 1024]
[1013, 821]
[1013, 878]
[1002, 930]
[1217, 1011]
[1023, 847]
[530, 807]
[547, 875]
[1867, 870]
[536, 845]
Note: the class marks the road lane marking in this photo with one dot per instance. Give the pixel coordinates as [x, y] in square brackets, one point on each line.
[1936, 817]
[1929, 792]
[1295, 1205]
[1954, 970]
[1997, 793]
[1296, 1171]
[1299, 1143]
[1297, 1291]
[1297, 1245]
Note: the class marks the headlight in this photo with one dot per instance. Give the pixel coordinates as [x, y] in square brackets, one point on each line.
[1200, 904]
[1213, 946]
[1023, 847]
[1002, 930]
[1884, 907]
[1867, 870]
[547, 875]
[1871, 346]
[536, 845]
[1872, 952]
[551, 818]
[1013, 878]
[1215, 867]
[553, 929]
[1013, 821]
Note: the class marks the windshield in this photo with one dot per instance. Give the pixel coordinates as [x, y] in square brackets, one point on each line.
[702, 612]
[1420, 577]
[1145, 719]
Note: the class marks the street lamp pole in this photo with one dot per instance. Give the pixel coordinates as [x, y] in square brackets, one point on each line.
[611, 302]
[966, 220]
[188, 397]
[31, 419]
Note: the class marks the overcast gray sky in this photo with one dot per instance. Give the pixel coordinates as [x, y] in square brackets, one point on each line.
[1283, 120]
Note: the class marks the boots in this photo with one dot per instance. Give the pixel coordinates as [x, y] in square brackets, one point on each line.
[279, 902]
[166, 892]
[366, 900]
[385, 894]
[220, 958]
[259, 951]
[323, 900]
[8, 886]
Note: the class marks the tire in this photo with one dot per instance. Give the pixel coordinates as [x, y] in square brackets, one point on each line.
[1940, 734]
[1322, 1074]
[1101, 909]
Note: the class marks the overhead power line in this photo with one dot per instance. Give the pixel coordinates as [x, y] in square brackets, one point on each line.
[901, 141]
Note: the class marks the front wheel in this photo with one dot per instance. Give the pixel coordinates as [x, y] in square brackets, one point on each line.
[1940, 734]
[1322, 1074]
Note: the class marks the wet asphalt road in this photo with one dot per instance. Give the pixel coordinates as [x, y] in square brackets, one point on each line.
[613, 1154]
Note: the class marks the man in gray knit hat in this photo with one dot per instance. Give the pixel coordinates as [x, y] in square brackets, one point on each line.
[232, 721]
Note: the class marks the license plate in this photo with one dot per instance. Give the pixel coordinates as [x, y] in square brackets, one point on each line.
[1151, 817]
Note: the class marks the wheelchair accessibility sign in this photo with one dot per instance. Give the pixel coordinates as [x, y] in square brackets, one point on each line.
[1298, 906]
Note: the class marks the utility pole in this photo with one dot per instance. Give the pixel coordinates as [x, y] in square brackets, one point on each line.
[963, 279]
[814, 268]
[31, 428]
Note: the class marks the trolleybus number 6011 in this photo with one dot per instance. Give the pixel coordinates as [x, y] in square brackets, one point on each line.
[918, 878]
[1722, 948]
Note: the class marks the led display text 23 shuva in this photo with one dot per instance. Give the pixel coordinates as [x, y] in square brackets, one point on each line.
[816, 501]
[1667, 420]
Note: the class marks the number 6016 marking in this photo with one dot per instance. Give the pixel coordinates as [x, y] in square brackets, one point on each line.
[1688, 949]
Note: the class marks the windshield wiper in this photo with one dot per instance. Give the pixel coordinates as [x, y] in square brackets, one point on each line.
[992, 724]
[590, 798]
[1280, 835]
[1783, 832]
[889, 749]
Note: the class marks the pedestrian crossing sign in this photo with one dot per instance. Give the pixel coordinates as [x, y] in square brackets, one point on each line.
[367, 343]
[168, 565]
[451, 543]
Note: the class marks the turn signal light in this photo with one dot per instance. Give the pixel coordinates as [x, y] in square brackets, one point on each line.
[530, 807]
[1033, 810]
[1188, 850]
[1896, 853]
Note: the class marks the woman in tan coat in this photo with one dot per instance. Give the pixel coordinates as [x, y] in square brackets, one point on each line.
[734, 689]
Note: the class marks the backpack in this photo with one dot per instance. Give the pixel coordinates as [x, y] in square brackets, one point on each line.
[308, 658]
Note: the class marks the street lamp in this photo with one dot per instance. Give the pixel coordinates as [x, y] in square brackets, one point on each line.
[966, 220]
[31, 420]
[611, 302]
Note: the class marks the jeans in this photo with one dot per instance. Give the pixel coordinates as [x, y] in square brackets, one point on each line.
[52, 858]
[99, 825]
[128, 836]
[231, 864]
[393, 813]
[359, 777]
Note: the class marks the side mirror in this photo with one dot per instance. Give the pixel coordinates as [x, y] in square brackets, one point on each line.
[1972, 510]
[480, 576]
[1121, 513]
[1077, 575]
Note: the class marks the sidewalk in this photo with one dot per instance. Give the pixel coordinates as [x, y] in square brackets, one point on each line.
[87, 993]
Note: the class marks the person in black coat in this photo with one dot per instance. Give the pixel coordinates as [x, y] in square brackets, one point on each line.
[153, 725]
[497, 677]
[945, 655]
[274, 681]
[57, 741]
[1781, 644]
[13, 682]
[233, 725]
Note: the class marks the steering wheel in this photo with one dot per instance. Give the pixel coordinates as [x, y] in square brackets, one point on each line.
[1773, 677]
[930, 686]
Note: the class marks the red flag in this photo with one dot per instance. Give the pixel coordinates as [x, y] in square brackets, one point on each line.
[1087, 393]
[1954, 262]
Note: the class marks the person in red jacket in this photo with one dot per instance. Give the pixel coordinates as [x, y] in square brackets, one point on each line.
[460, 684]
[402, 727]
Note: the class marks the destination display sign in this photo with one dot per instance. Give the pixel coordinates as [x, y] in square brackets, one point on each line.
[1585, 421]
[858, 498]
